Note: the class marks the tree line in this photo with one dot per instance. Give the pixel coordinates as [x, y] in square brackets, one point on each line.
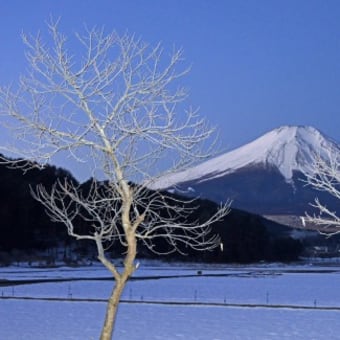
[27, 229]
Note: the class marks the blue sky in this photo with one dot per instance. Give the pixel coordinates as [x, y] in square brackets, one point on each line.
[256, 64]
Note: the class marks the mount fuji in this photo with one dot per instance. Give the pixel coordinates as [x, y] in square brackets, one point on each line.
[264, 176]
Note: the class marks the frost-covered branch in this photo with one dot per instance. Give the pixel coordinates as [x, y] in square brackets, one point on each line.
[114, 104]
[325, 177]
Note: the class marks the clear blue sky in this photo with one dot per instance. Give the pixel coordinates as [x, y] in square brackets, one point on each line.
[256, 64]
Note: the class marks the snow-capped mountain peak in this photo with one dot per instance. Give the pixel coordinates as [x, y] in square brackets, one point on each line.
[287, 148]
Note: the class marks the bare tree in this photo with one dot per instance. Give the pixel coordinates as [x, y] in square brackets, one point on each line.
[114, 106]
[324, 176]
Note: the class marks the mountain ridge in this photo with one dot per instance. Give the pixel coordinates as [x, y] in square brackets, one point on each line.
[265, 176]
[288, 148]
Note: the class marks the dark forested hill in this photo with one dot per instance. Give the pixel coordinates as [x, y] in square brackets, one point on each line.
[26, 228]
[23, 221]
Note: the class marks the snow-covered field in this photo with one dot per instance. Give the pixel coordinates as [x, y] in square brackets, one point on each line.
[175, 302]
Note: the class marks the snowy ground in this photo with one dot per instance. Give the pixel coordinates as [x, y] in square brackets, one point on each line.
[263, 302]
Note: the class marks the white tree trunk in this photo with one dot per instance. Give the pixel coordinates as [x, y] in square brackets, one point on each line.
[111, 311]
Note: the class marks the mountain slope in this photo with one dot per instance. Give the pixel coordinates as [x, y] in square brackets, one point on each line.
[263, 176]
[288, 148]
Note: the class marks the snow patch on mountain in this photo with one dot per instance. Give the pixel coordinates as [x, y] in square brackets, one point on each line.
[287, 148]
